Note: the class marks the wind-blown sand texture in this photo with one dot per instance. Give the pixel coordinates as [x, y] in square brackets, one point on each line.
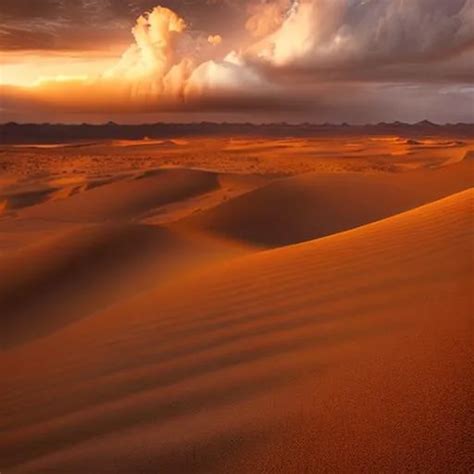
[187, 320]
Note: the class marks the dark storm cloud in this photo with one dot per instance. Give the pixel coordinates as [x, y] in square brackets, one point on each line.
[92, 24]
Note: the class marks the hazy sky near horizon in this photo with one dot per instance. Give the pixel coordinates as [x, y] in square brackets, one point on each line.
[243, 60]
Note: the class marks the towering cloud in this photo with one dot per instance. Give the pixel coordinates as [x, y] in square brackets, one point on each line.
[153, 65]
[164, 65]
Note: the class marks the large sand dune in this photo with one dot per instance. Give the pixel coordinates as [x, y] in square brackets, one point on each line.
[314, 205]
[349, 353]
[71, 276]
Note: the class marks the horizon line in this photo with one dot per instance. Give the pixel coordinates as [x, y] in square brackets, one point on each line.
[227, 123]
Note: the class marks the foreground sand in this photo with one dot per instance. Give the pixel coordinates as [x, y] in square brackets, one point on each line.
[332, 336]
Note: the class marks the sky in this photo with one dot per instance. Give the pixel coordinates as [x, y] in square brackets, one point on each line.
[134, 61]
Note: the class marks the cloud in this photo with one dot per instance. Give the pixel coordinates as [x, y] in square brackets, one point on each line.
[327, 57]
[160, 65]
[153, 56]
[265, 17]
[214, 39]
[81, 25]
[344, 35]
[165, 68]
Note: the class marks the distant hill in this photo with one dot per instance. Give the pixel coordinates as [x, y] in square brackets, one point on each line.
[14, 133]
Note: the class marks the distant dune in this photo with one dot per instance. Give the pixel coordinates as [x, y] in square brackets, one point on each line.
[127, 198]
[315, 205]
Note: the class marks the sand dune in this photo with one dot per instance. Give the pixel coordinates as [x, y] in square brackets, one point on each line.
[126, 199]
[74, 275]
[78, 255]
[26, 198]
[314, 205]
[153, 197]
[349, 353]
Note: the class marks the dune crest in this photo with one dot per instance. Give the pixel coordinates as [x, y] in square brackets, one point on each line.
[315, 205]
[127, 198]
[79, 272]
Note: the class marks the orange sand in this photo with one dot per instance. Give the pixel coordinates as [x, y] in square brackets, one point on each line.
[169, 321]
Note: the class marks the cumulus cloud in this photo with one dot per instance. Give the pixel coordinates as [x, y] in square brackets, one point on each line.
[346, 34]
[152, 63]
[159, 65]
[214, 39]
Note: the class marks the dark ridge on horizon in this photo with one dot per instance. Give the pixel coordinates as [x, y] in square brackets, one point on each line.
[31, 133]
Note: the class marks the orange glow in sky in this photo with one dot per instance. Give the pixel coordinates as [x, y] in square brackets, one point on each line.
[313, 59]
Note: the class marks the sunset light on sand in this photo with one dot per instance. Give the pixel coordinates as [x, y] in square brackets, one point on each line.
[236, 236]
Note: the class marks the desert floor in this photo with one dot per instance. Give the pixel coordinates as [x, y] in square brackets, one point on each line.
[237, 305]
